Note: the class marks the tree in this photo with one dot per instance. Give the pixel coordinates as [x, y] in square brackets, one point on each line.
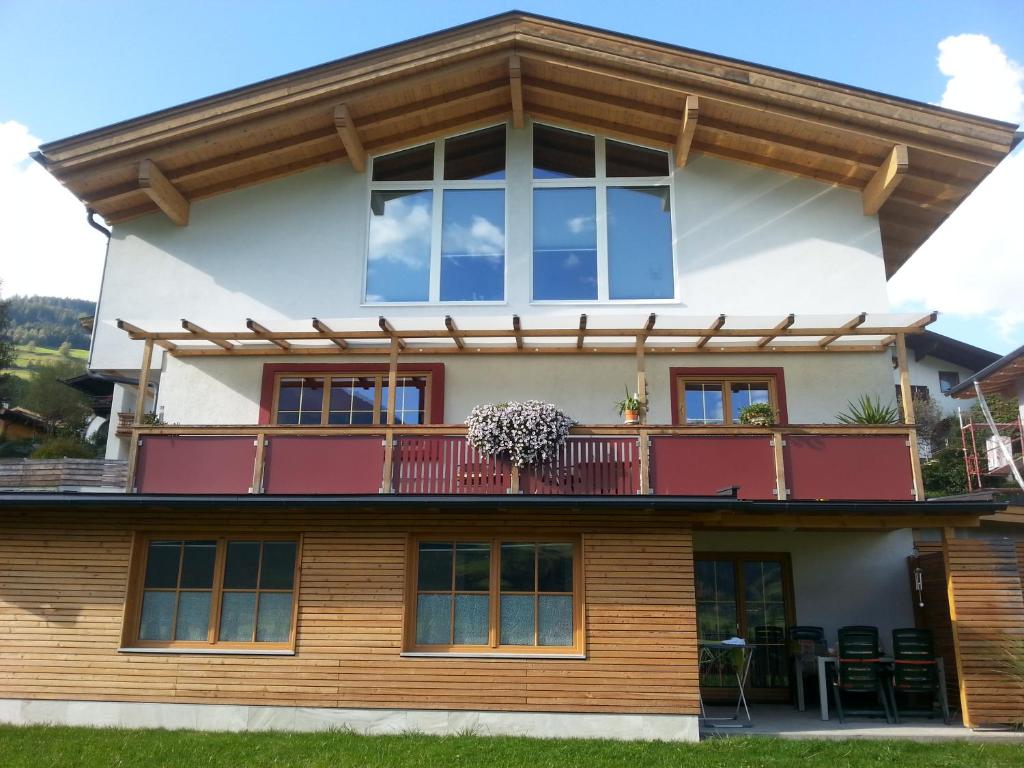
[1004, 410]
[66, 410]
[6, 351]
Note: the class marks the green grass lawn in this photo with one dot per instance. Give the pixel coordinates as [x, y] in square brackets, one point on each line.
[36, 747]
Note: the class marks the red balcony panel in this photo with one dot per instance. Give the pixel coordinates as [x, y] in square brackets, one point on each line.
[849, 467]
[592, 466]
[172, 464]
[446, 464]
[701, 465]
[315, 464]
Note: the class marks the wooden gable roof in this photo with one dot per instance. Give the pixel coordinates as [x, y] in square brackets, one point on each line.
[913, 162]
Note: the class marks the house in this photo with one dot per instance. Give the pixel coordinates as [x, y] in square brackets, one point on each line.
[314, 280]
[19, 423]
[938, 364]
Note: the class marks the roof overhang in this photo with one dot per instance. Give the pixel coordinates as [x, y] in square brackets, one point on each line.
[587, 334]
[999, 378]
[712, 510]
[914, 163]
[950, 350]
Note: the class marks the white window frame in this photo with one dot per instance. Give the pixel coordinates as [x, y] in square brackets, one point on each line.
[601, 183]
[437, 187]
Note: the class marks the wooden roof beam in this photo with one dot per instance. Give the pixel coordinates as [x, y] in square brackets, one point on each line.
[204, 334]
[454, 331]
[857, 321]
[786, 323]
[322, 327]
[136, 333]
[515, 79]
[581, 335]
[346, 129]
[517, 331]
[714, 327]
[166, 196]
[927, 320]
[648, 327]
[265, 333]
[687, 128]
[886, 179]
[390, 331]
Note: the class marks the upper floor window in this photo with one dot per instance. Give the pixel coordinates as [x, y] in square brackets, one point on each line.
[321, 399]
[602, 219]
[437, 221]
[948, 380]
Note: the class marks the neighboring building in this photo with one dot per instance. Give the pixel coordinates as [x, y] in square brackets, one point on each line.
[19, 423]
[517, 208]
[938, 363]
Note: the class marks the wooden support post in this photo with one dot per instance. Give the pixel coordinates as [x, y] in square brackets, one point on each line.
[346, 129]
[389, 433]
[641, 377]
[259, 464]
[888, 176]
[514, 481]
[140, 410]
[907, 400]
[515, 78]
[645, 462]
[687, 128]
[166, 196]
[778, 444]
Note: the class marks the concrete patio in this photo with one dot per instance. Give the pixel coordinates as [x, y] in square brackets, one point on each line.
[786, 722]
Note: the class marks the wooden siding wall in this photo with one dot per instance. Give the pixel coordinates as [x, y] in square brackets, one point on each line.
[62, 588]
[987, 611]
[934, 615]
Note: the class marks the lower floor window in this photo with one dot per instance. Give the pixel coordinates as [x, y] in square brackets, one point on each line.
[215, 592]
[495, 595]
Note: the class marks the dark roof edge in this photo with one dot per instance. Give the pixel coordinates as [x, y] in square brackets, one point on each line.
[942, 347]
[17, 500]
[40, 156]
[985, 372]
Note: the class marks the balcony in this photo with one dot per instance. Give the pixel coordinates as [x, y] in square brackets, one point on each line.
[795, 462]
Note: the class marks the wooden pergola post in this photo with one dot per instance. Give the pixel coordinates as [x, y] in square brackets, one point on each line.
[140, 408]
[389, 433]
[643, 438]
[907, 401]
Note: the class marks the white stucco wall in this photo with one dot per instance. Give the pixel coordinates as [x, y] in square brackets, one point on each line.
[748, 240]
[925, 373]
[838, 578]
[219, 390]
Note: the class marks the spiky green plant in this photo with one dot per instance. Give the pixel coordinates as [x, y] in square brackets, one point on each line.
[869, 410]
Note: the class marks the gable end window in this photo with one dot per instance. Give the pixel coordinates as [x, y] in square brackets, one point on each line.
[437, 222]
[602, 219]
[211, 593]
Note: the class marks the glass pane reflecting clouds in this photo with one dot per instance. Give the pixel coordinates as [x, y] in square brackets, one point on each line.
[564, 244]
[561, 154]
[398, 266]
[434, 620]
[473, 245]
[639, 243]
[704, 403]
[479, 155]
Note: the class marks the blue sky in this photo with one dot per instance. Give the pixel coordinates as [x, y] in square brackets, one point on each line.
[66, 67]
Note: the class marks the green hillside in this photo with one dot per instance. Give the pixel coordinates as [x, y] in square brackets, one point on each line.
[48, 321]
[24, 356]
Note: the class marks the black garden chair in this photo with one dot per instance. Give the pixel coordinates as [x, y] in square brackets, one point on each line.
[859, 671]
[916, 673]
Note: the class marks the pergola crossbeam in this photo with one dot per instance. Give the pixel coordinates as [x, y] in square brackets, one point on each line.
[854, 323]
[581, 336]
[517, 331]
[322, 327]
[202, 333]
[786, 323]
[453, 329]
[391, 332]
[715, 326]
[265, 333]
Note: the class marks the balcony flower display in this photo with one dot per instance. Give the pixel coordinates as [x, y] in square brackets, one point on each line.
[757, 414]
[527, 433]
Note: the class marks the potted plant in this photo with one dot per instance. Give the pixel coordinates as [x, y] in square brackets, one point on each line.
[630, 407]
[757, 414]
[526, 433]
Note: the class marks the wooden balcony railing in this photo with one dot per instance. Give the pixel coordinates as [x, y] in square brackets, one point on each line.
[800, 462]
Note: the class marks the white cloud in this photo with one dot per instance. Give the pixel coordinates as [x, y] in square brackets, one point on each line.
[481, 238]
[973, 266]
[579, 224]
[983, 80]
[46, 247]
[402, 233]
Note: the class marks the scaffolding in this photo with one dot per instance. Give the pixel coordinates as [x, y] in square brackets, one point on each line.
[984, 457]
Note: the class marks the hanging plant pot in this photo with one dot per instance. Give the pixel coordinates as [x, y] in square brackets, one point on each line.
[631, 417]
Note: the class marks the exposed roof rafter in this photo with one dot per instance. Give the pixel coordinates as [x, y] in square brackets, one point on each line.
[346, 129]
[166, 196]
[687, 129]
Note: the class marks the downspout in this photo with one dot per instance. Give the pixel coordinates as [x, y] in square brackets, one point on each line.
[90, 215]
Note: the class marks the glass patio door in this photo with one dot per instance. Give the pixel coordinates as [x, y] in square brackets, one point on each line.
[746, 595]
